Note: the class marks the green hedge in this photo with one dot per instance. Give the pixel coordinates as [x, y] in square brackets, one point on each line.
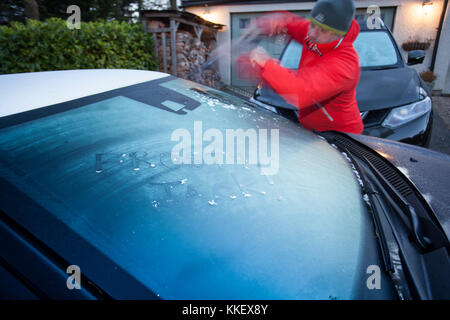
[51, 45]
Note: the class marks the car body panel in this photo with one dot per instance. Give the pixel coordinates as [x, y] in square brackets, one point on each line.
[52, 87]
[426, 169]
[94, 179]
[382, 89]
[193, 231]
[418, 131]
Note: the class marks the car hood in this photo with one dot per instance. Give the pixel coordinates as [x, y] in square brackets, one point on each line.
[399, 87]
[380, 89]
[426, 169]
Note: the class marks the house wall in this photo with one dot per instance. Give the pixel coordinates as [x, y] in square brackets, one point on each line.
[442, 65]
[411, 22]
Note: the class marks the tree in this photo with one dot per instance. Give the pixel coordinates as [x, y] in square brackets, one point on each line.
[121, 10]
[11, 10]
[160, 4]
[31, 9]
[173, 5]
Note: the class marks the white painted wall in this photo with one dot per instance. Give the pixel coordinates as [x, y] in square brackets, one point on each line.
[442, 65]
[410, 22]
[446, 89]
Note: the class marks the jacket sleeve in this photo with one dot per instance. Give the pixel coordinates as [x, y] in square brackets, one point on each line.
[309, 84]
[297, 27]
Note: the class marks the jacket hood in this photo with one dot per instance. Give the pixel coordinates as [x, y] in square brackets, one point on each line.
[352, 33]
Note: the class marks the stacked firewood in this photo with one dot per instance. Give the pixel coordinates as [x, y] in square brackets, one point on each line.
[192, 58]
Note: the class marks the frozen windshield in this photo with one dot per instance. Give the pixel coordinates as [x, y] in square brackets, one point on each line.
[375, 49]
[104, 166]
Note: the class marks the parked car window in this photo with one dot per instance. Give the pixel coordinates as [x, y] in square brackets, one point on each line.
[292, 55]
[375, 49]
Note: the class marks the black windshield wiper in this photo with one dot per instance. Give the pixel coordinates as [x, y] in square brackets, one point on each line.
[380, 68]
[415, 251]
[396, 199]
[416, 215]
[390, 250]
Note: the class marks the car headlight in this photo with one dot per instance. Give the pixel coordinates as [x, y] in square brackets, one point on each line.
[422, 93]
[401, 115]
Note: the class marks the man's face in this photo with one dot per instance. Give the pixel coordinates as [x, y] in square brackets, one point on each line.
[320, 35]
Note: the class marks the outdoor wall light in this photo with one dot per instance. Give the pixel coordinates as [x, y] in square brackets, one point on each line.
[426, 5]
[207, 15]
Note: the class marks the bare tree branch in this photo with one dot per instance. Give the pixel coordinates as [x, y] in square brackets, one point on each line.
[31, 9]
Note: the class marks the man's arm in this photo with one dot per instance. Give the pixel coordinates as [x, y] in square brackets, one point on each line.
[297, 27]
[274, 23]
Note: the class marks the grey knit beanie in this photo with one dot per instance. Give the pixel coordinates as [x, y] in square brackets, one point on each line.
[333, 15]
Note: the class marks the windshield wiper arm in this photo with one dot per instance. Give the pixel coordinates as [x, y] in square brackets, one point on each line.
[397, 200]
[382, 67]
[389, 246]
[416, 272]
[416, 228]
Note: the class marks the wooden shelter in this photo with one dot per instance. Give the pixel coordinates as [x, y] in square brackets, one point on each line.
[171, 21]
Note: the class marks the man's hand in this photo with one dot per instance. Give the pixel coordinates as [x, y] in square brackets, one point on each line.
[259, 56]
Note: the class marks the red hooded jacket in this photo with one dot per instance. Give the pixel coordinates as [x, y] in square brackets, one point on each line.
[324, 86]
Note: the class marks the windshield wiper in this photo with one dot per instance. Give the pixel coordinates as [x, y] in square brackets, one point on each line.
[405, 207]
[381, 67]
[390, 250]
[425, 231]
[417, 261]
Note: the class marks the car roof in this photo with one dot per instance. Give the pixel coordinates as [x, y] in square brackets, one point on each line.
[364, 25]
[26, 91]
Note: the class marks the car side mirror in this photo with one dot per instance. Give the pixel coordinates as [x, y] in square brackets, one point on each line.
[415, 57]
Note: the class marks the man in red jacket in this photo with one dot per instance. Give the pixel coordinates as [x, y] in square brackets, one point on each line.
[324, 86]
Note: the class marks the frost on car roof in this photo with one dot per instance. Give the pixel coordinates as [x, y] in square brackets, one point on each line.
[24, 91]
[102, 165]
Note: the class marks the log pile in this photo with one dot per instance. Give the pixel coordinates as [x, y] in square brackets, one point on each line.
[191, 56]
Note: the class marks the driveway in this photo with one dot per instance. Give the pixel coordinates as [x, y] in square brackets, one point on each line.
[440, 137]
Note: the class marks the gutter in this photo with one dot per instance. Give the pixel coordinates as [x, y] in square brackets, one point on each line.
[438, 36]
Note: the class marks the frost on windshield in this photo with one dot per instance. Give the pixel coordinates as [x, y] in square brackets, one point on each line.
[222, 230]
[375, 48]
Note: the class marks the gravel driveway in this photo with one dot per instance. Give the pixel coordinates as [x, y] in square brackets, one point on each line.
[440, 137]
